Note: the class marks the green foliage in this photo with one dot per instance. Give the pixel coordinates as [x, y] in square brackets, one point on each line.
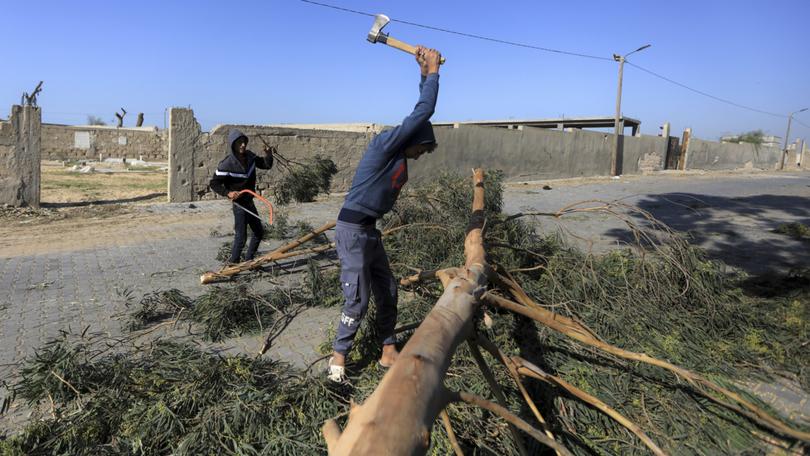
[795, 230]
[750, 137]
[230, 311]
[176, 399]
[671, 302]
[224, 252]
[302, 183]
[157, 306]
[283, 229]
[323, 286]
[94, 120]
[222, 311]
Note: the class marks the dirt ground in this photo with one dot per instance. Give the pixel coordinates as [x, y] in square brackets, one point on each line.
[109, 182]
[83, 210]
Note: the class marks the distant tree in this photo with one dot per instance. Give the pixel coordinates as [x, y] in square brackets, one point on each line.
[93, 120]
[753, 137]
[750, 137]
[120, 116]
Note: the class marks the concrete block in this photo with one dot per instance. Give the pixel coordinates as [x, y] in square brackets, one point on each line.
[20, 155]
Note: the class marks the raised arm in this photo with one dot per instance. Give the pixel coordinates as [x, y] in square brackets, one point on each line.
[266, 162]
[428, 60]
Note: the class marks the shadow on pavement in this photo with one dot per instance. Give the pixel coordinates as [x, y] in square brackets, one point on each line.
[103, 202]
[736, 230]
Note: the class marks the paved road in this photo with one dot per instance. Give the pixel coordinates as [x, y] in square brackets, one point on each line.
[730, 215]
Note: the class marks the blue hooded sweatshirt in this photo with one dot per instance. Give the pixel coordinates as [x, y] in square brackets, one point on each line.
[383, 169]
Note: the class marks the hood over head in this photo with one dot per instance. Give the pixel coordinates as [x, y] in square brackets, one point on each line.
[233, 135]
[424, 135]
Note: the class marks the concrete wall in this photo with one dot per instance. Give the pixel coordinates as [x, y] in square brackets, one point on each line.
[714, 156]
[643, 154]
[535, 153]
[531, 153]
[527, 154]
[88, 142]
[194, 155]
[20, 157]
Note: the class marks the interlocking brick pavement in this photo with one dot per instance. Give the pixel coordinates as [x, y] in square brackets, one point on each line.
[46, 293]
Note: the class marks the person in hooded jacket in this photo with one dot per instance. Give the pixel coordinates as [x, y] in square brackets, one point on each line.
[235, 173]
[380, 175]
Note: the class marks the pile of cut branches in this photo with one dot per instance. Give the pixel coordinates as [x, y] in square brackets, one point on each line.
[641, 350]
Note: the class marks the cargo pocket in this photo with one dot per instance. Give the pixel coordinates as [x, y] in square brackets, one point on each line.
[349, 282]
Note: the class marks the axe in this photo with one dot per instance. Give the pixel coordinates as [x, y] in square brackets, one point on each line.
[375, 35]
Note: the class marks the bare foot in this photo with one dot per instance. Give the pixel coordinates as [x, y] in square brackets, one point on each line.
[338, 359]
[389, 355]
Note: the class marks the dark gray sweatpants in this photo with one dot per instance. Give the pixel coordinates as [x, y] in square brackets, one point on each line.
[364, 269]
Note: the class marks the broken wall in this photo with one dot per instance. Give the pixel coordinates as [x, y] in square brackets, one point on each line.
[194, 154]
[20, 157]
[94, 142]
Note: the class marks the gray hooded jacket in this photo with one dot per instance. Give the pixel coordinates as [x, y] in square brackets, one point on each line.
[232, 176]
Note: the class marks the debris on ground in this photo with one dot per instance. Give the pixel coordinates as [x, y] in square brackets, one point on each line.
[142, 395]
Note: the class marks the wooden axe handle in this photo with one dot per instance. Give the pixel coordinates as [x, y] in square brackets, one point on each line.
[402, 46]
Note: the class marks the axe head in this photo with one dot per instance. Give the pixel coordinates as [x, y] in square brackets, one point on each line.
[375, 34]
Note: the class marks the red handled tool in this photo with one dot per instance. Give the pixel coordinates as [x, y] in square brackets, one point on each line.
[261, 199]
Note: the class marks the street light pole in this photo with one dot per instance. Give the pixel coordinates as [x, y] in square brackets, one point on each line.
[619, 130]
[787, 136]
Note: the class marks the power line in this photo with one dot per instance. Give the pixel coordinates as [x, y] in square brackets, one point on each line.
[556, 51]
[723, 100]
[468, 35]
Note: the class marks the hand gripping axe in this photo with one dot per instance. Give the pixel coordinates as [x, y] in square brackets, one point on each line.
[375, 35]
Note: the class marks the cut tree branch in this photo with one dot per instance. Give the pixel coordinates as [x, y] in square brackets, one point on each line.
[575, 331]
[397, 418]
[448, 426]
[530, 370]
[496, 390]
[229, 271]
[512, 368]
[511, 418]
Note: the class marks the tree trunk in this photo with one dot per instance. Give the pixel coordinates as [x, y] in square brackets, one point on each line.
[397, 418]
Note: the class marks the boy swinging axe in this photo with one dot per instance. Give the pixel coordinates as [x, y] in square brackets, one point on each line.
[380, 175]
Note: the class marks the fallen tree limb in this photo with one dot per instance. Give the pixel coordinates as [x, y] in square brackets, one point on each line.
[565, 326]
[443, 275]
[511, 418]
[496, 390]
[285, 252]
[498, 355]
[229, 271]
[448, 427]
[507, 283]
[530, 370]
[397, 418]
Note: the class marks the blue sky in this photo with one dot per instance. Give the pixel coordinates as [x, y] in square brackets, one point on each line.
[285, 61]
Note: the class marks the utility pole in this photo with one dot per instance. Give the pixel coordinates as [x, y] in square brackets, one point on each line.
[619, 130]
[787, 135]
